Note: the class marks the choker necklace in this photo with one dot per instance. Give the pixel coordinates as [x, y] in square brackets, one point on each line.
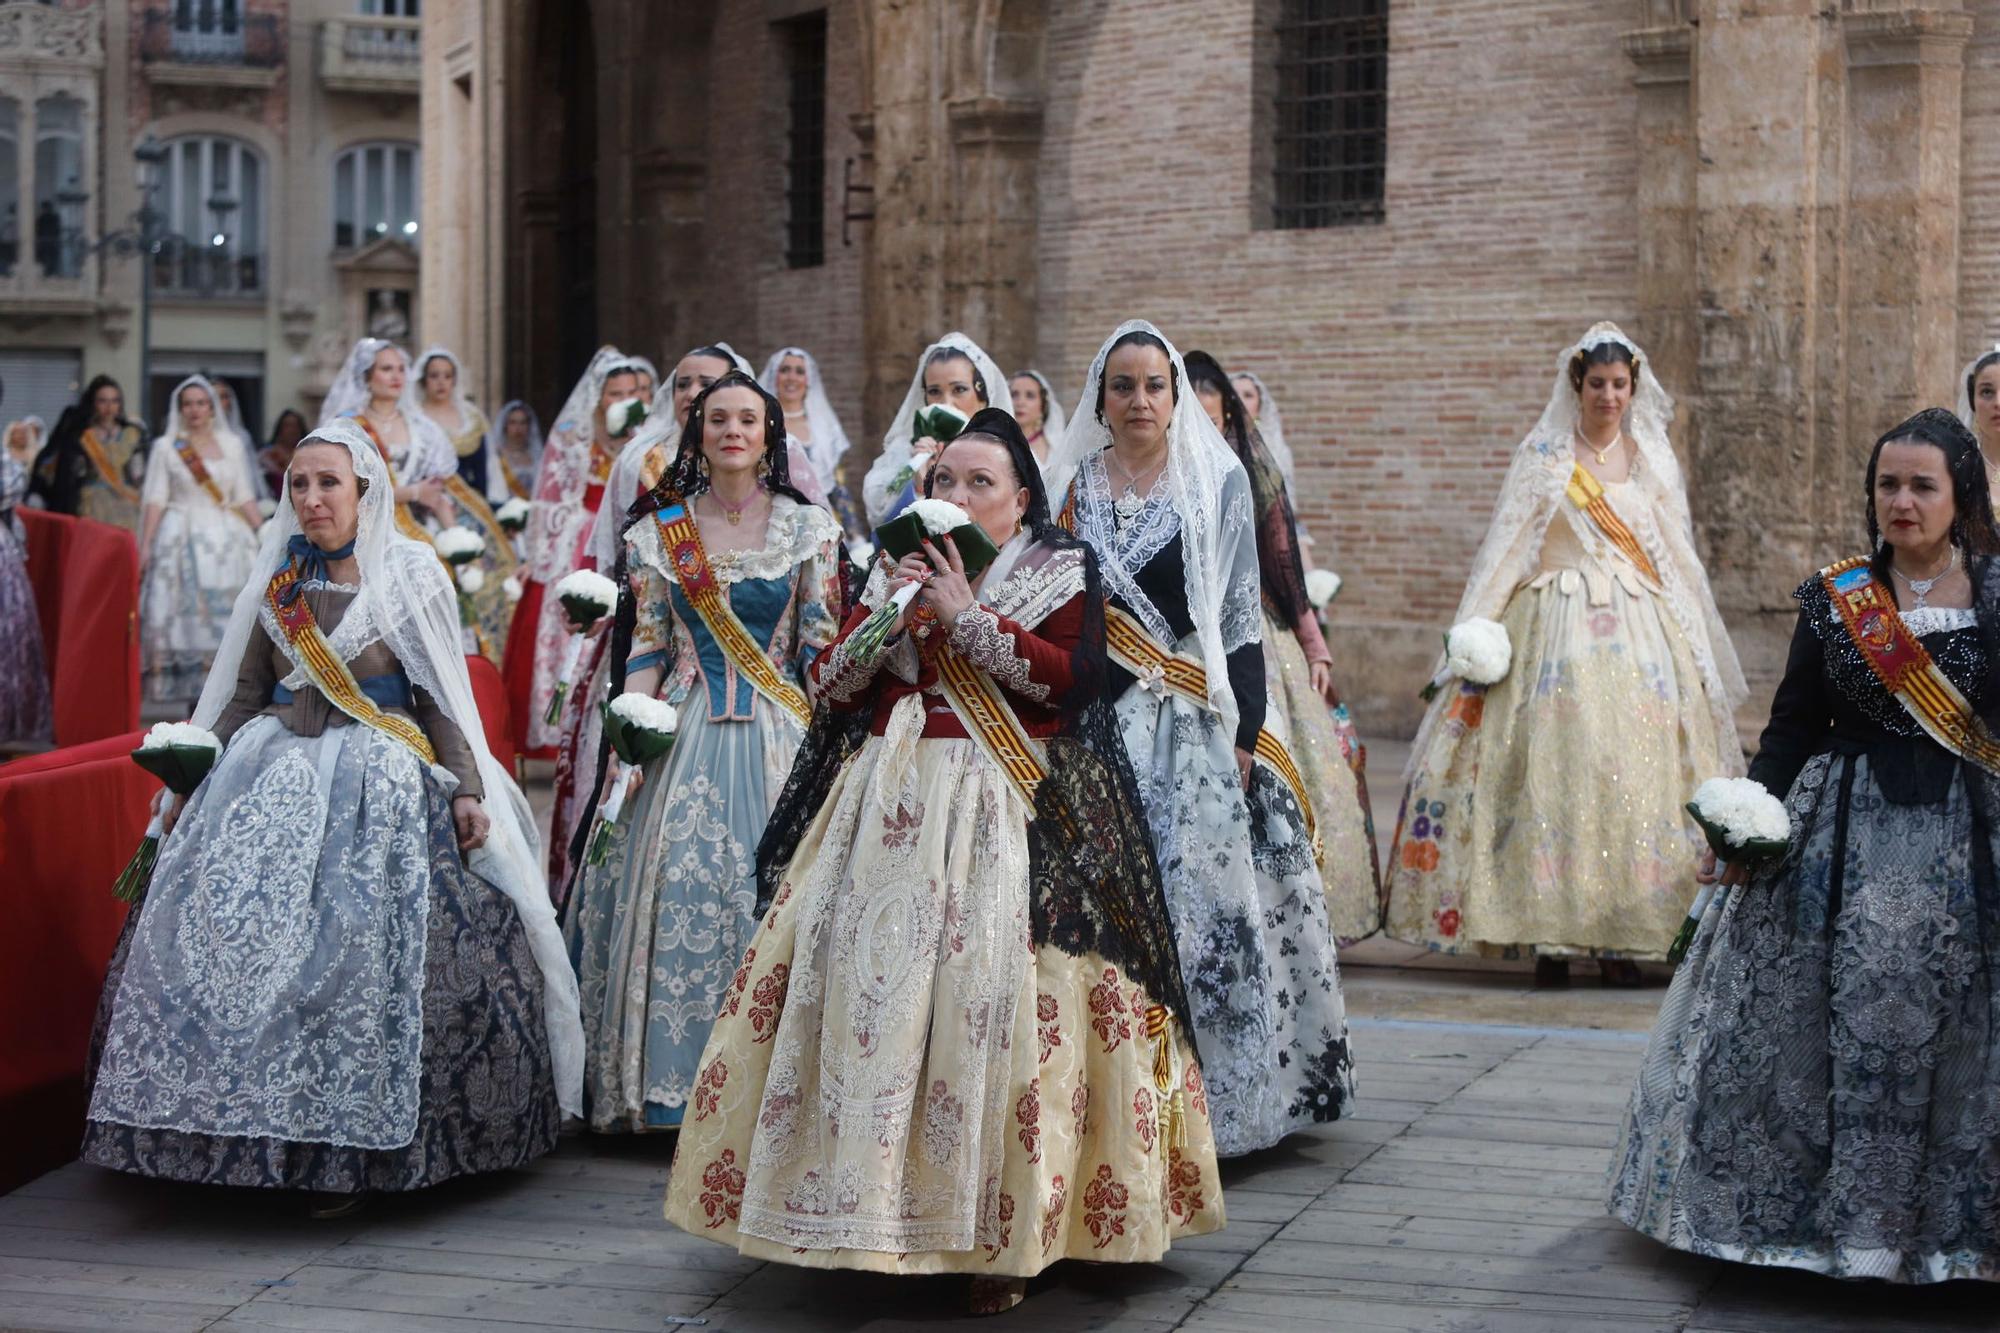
[1129, 503]
[1617, 438]
[1921, 588]
[733, 513]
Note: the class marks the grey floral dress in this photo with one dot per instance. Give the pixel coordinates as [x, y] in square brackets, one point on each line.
[1822, 1088]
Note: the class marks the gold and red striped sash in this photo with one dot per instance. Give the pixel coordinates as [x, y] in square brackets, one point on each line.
[1586, 492]
[1905, 668]
[990, 720]
[326, 671]
[682, 539]
[191, 459]
[93, 449]
[1133, 647]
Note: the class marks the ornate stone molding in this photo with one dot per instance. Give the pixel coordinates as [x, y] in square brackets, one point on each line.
[44, 35]
[1882, 34]
[994, 120]
[1663, 55]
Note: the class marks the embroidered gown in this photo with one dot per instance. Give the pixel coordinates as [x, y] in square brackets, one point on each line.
[657, 930]
[1544, 814]
[317, 992]
[931, 1060]
[24, 674]
[1248, 903]
[201, 558]
[68, 480]
[1822, 1088]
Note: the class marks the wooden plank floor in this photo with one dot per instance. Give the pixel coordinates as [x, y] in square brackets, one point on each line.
[1464, 1196]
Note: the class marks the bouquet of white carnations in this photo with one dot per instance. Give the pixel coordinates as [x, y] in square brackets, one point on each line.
[588, 597]
[639, 728]
[624, 417]
[1476, 651]
[459, 546]
[934, 427]
[513, 587]
[1322, 586]
[512, 516]
[179, 754]
[906, 533]
[1745, 825]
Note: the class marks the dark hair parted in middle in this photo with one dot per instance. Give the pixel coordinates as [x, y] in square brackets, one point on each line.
[1609, 352]
[1972, 528]
[1138, 338]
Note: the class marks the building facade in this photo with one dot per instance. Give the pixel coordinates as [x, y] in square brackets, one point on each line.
[286, 199]
[1397, 213]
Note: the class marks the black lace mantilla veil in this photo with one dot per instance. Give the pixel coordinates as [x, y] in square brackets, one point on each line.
[1278, 562]
[687, 477]
[1093, 885]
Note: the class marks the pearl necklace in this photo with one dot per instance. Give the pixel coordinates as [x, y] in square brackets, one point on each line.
[1921, 588]
[1617, 438]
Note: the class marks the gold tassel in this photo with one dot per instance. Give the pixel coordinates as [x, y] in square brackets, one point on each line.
[1166, 1077]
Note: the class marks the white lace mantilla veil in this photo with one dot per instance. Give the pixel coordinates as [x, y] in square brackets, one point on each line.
[876, 495]
[1965, 412]
[226, 437]
[829, 442]
[564, 475]
[496, 445]
[413, 386]
[1270, 424]
[622, 486]
[408, 596]
[254, 470]
[1211, 504]
[1533, 495]
[430, 452]
[1054, 422]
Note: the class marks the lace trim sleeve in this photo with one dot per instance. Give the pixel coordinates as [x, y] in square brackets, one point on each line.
[840, 680]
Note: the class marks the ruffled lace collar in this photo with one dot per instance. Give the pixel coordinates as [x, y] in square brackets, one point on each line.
[794, 534]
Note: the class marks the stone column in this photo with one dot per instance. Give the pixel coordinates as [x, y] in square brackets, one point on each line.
[1663, 52]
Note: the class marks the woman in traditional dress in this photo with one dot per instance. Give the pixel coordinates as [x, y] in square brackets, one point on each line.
[658, 927]
[446, 406]
[197, 542]
[793, 375]
[1262, 405]
[1979, 405]
[642, 463]
[957, 1043]
[513, 453]
[1822, 1088]
[1298, 671]
[231, 411]
[1036, 408]
[954, 371]
[1543, 816]
[569, 486]
[26, 438]
[94, 460]
[345, 976]
[275, 458]
[24, 673]
[1158, 495]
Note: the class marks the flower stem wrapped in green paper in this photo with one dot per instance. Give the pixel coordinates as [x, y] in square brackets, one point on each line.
[640, 728]
[1745, 825]
[180, 755]
[588, 597]
[906, 533]
[934, 428]
[512, 516]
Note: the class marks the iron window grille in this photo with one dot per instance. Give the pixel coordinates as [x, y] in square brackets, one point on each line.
[1330, 130]
[802, 42]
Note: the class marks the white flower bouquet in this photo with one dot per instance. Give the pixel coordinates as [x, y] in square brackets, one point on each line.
[623, 418]
[933, 428]
[180, 755]
[926, 519]
[471, 578]
[513, 587]
[1744, 825]
[588, 597]
[1322, 586]
[512, 516]
[459, 546]
[1478, 652]
[861, 551]
[640, 728]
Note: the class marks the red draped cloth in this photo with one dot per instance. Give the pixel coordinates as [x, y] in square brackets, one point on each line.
[86, 580]
[69, 820]
[489, 695]
[519, 669]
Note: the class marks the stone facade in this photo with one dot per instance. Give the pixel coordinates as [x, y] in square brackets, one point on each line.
[1794, 204]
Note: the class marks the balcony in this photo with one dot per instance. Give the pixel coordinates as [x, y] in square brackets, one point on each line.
[371, 55]
[210, 49]
[199, 274]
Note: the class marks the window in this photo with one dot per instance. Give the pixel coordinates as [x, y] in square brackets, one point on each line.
[58, 169]
[208, 30]
[10, 185]
[386, 43]
[375, 194]
[802, 45]
[1330, 112]
[212, 197]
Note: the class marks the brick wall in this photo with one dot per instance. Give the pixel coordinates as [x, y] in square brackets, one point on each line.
[1979, 184]
[1408, 357]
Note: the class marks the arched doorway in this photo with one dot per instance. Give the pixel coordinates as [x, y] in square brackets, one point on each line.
[552, 306]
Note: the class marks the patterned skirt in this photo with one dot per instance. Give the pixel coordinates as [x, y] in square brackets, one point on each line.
[1544, 814]
[1822, 1089]
[899, 1083]
[484, 1092]
[1329, 759]
[24, 672]
[201, 558]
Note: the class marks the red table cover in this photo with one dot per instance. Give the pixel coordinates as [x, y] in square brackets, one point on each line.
[86, 580]
[489, 695]
[69, 820]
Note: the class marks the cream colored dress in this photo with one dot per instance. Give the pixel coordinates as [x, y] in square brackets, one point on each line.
[1544, 815]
